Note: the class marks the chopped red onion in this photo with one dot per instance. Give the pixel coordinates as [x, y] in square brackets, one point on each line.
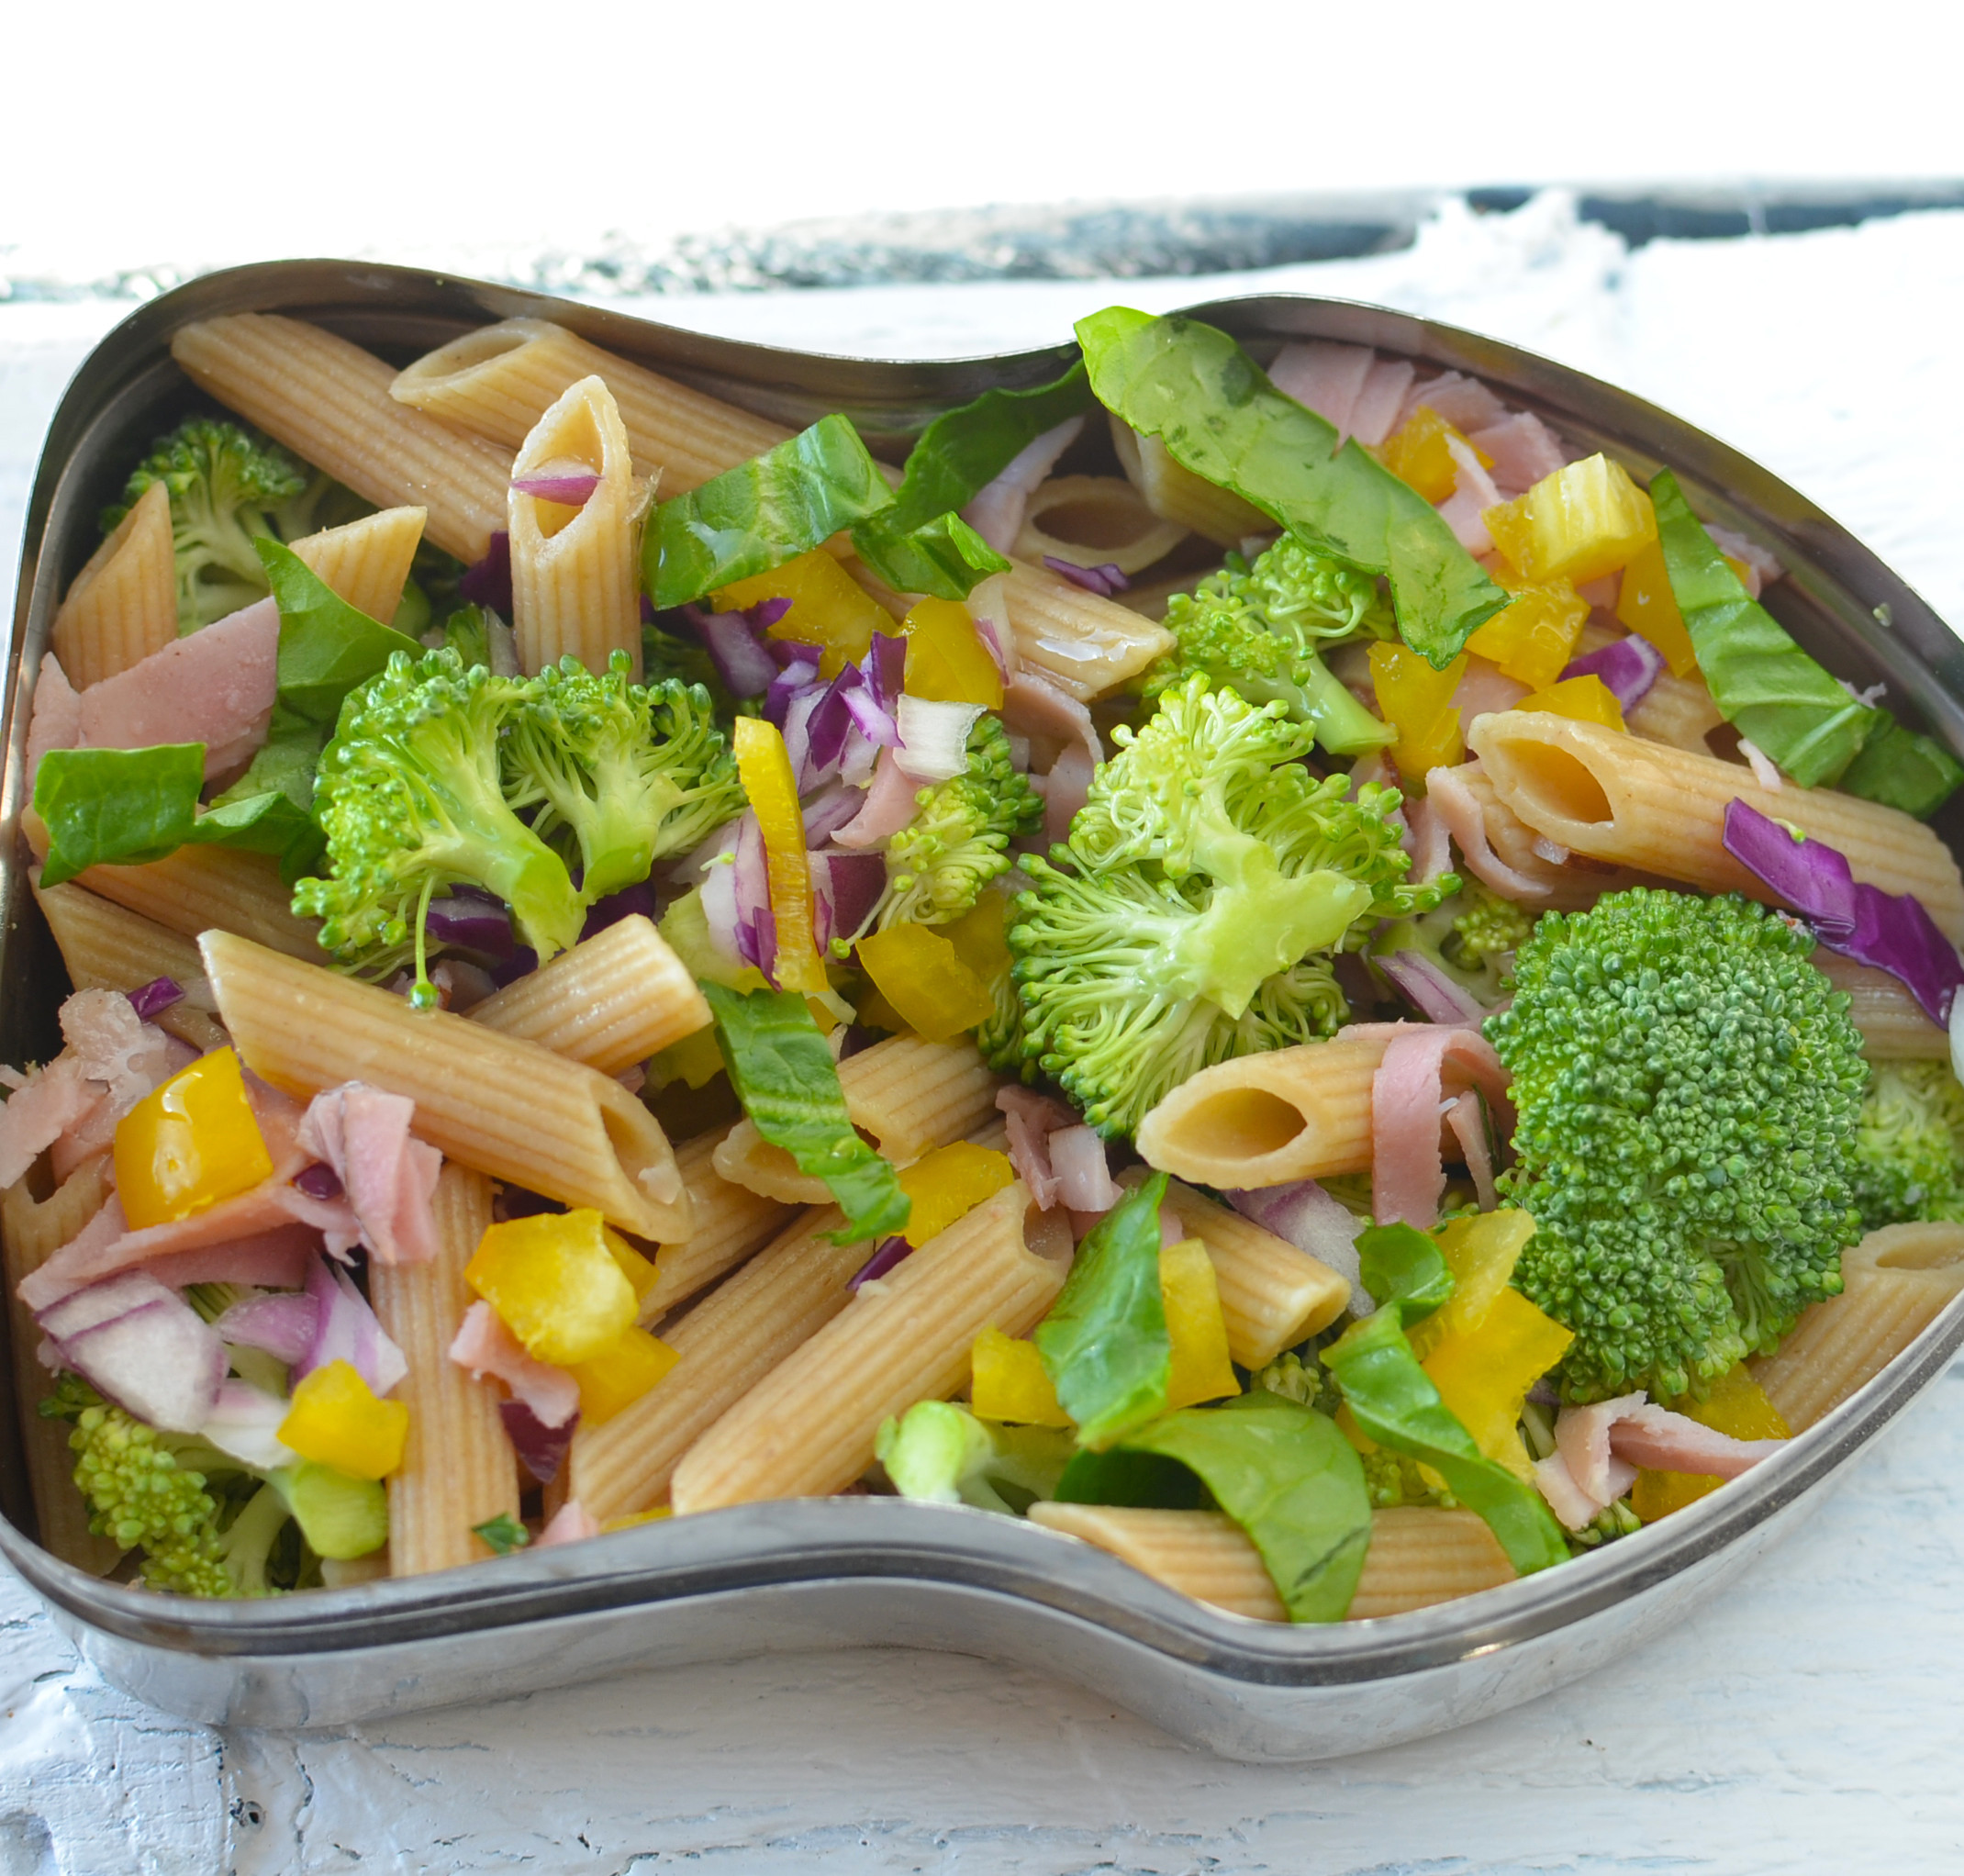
[542, 1450]
[346, 1330]
[141, 1345]
[854, 883]
[614, 907]
[743, 664]
[318, 1181]
[469, 922]
[245, 1421]
[1305, 1215]
[572, 490]
[522, 963]
[284, 1323]
[1629, 666]
[1432, 993]
[151, 999]
[876, 723]
[891, 1255]
[787, 691]
[760, 943]
[765, 613]
[1105, 581]
[826, 727]
[886, 668]
[487, 582]
[935, 738]
[829, 810]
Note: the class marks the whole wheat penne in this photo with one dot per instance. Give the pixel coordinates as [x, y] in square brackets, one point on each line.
[910, 1095]
[1617, 797]
[367, 561]
[809, 1427]
[31, 1230]
[1205, 1555]
[507, 1107]
[1299, 1114]
[206, 888]
[123, 604]
[458, 1469]
[1095, 520]
[728, 1343]
[107, 947]
[1893, 1027]
[1421, 1554]
[1895, 1282]
[576, 569]
[1181, 496]
[613, 1001]
[731, 1223]
[500, 380]
[1085, 644]
[328, 401]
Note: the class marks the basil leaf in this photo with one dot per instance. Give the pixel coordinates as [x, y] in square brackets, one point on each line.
[943, 557]
[1394, 1402]
[1193, 386]
[1402, 1268]
[762, 513]
[326, 646]
[789, 1083]
[503, 1533]
[1105, 1344]
[1902, 768]
[127, 805]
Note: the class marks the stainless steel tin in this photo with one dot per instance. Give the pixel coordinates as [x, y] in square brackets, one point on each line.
[816, 1574]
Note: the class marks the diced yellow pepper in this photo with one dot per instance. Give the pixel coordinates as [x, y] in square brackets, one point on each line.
[1534, 637]
[948, 1184]
[980, 936]
[1008, 1382]
[920, 974]
[829, 607]
[1482, 1252]
[764, 770]
[946, 660]
[620, 1374]
[336, 1421]
[1416, 701]
[188, 1145]
[1202, 1369]
[628, 1519]
[1583, 521]
[1736, 1405]
[1587, 700]
[1483, 1374]
[630, 1262]
[1417, 453]
[1646, 604]
[555, 1283]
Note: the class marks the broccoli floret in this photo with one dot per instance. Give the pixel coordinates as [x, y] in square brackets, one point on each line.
[938, 863]
[1489, 929]
[1470, 937]
[1193, 913]
[410, 795]
[623, 773]
[939, 1452]
[1613, 1521]
[1261, 628]
[1308, 1383]
[1687, 1087]
[1392, 1478]
[1909, 1146]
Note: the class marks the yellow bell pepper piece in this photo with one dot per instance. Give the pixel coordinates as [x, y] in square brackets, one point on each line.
[1646, 604]
[921, 976]
[628, 1519]
[1416, 701]
[829, 609]
[1583, 521]
[764, 770]
[620, 1374]
[946, 660]
[1483, 1374]
[1586, 698]
[948, 1184]
[555, 1283]
[1534, 637]
[1008, 1382]
[1417, 453]
[1482, 1252]
[188, 1145]
[980, 936]
[336, 1421]
[1736, 1405]
[636, 1268]
[1202, 1369]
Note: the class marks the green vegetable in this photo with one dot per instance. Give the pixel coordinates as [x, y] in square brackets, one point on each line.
[1259, 629]
[1105, 1344]
[1687, 1088]
[786, 1078]
[1909, 1146]
[944, 556]
[762, 513]
[1118, 1476]
[503, 1533]
[339, 1516]
[1194, 911]
[1220, 417]
[1903, 769]
[1405, 1271]
[326, 646]
[940, 1452]
[1471, 937]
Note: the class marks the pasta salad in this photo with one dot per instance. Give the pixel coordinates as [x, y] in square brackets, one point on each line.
[1272, 970]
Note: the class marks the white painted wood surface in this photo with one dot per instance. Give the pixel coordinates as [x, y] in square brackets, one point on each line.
[1809, 1719]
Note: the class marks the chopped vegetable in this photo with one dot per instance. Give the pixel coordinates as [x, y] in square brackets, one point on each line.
[941, 1453]
[555, 1283]
[1586, 519]
[335, 1420]
[921, 976]
[1533, 639]
[1417, 452]
[1736, 1405]
[765, 772]
[620, 1374]
[1646, 605]
[1585, 699]
[1008, 1381]
[948, 1183]
[1416, 700]
[189, 1145]
[946, 660]
[829, 609]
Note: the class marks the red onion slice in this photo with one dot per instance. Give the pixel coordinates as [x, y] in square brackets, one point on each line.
[1431, 992]
[572, 490]
[141, 1345]
[346, 1330]
[743, 663]
[1629, 666]
[886, 668]
[893, 1252]
[935, 738]
[1304, 1215]
[151, 999]
[284, 1324]
[487, 582]
[542, 1450]
[245, 1421]
[829, 810]
[1105, 581]
[854, 884]
[470, 922]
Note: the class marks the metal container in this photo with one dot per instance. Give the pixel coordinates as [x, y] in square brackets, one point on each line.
[825, 1573]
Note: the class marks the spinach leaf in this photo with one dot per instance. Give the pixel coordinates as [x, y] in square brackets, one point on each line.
[943, 557]
[762, 513]
[1902, 768]
[1105, 1344]
[789, 1083]
[129, 805]
[326, 646]
[1193, 386]
[1403, 1268]
[1118, 1475]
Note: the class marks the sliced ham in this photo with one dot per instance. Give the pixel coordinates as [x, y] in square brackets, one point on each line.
[569, 1524]
[1763, 564]
[996, 510]
[1064, 790]
[1030, 1119]
[1582, 1438]
[57, 720]
[1083, 1178]
[1566, 1499]
[1485, 688]
[1425, 1067]
[1467, 1119]
[1384, 384]
[1451, 795]
[216, 688]
[1323, 376]
[274, 1259]
[485, 1346]
[389, 1178]
[1465, 403]
[108, 1038]
[1524, 449]
[1473, 494]
[889, 805]
[1661, 1441]
[1600, 1448]
[44, 1107]
[1033, 706]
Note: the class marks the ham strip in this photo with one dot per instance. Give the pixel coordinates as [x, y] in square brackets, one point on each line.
[1465, 403]
[1661, 1441]
[1385, 385]
[1064, 790]
[1566, 1499]
[57, 720]
[1426, 839]
[1034, 706]
[485, 1346]
[1084, 1179]
[1582, 1438]
[1473, 494]
[570, 1523]
[1030, 1119]
[1453, 799]
[1524, 449]
[1326, 377]
[889, 805]
[1425, 1067]
[1468, 1122]
[996, 509]
[1600, 1447]
[43, 1108]
[388, 1177]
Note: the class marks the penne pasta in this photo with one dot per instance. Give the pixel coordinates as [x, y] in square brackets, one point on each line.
[1421, 1554]
[504, 1106]
[1530, 876]
[1616, 797]
[367, 561]
[1182, 497]
[1893, 1027]
[1095, 520]
[206, 888]
[809, 1427]
[613, 1001]
[107, 947]
[31, 1230]
[1085, 645]
[499, 381]
[731, 1222]
[576, 569]
[1895, 1283]
[122, 606]
[728, 1343]
[1678, 710]
[910, 1095]
[328, 401]
[458, 1469]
